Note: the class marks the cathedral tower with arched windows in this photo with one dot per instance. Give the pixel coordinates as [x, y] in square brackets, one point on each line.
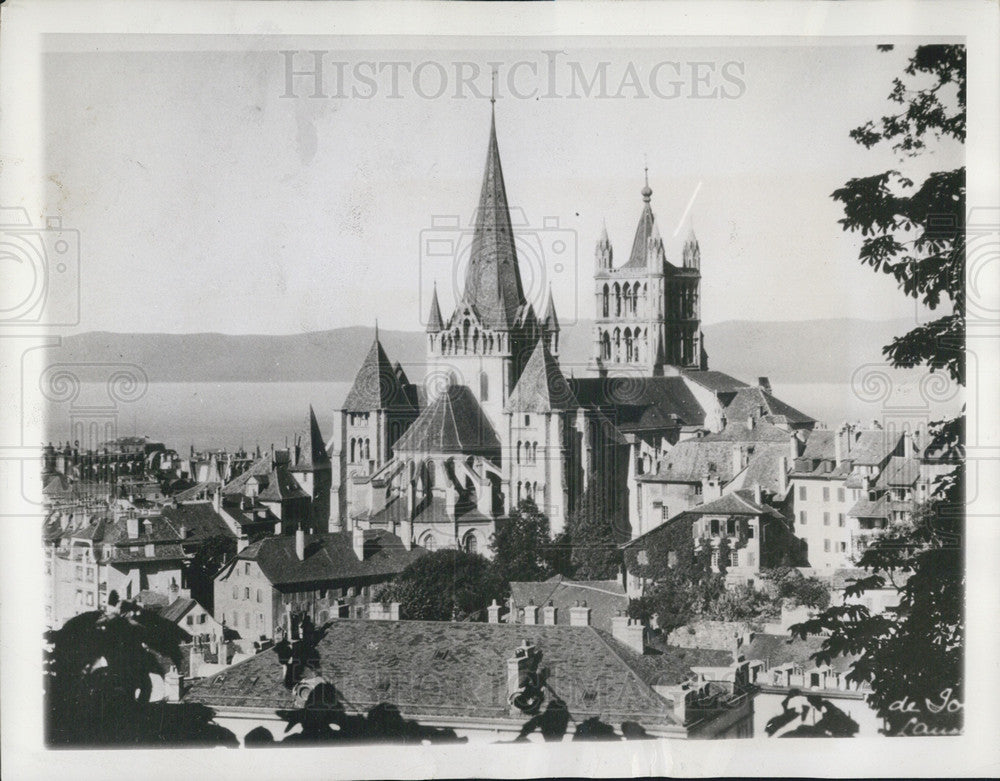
[647, 310]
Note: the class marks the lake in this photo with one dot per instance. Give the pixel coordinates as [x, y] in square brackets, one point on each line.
[231, 414]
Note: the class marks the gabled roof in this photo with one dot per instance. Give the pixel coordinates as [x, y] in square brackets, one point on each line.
[777, 650]
[312, 449]
[329, 557]
[453, 423]
[750, 402]
[689, 461]
[281, 486]
[735, 503]
[541, 386]
[717, 382]
[376, 385]
[738, 431]
[177, 609]
[262, 466]
[899, 472]
[425, 669]
[199, 520]
[492, 277]
[641, 402]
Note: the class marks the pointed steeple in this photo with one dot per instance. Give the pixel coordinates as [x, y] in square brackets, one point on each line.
[312, 454]
[604, 254]
[542, 387]
[549, 319]
[435, 322]
[644, 231]
[493, 280]
[692, 252]
[376, 385]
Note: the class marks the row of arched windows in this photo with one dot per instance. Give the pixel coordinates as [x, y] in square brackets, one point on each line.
[630, 345]
[470, 542]
[529, 490]
[467, 339]
[360, 449]
[623, 299]
[527, 452]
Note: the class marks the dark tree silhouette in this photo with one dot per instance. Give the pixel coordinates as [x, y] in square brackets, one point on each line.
[817, 717]
[445, 585]
[97, 683]
[201, 569]
[596, 528]
[520, 544]
[915, 233]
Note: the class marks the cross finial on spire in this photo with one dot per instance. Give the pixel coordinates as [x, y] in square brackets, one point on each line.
[646, 191]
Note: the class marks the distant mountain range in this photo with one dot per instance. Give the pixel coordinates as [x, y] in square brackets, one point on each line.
[811, 351]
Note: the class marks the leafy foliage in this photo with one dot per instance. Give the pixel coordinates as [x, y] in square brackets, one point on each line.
[97, 684]
[444, 585]
[596, 529]
[201, 569]
[916, 233]
[520, 545]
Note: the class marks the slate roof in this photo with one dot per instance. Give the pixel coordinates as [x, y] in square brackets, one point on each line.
[640, 402]
[329, 557]
[198, 491]
[735, 503]
[280, 486]
[644, 231]
[450, 670]
[177, 609]
[869, 447]
[737, 430]
[870, 508]
[782, 649]
[899, 472]
[667, 665]
[199, 520]
[689, 461]
[492, 278]
[541, 386]
[715, 381]
[763, 467]
[453, 423]
[604, 597]
[376, 385]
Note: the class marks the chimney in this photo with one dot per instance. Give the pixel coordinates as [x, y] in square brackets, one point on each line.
[183, 532]
[907, 445]
[579, 614]
[531, 612]
[738, 457]
[711, 488]
[241, 542]
[793, 448]
[173, 682]
[493, 612]
[147, 527]
[132, 526]
[628, 631]
[300, 544]
[358, 540]
[519, 666]
[756, 493]
[549, 614]
[838, 448]
[764, 384]
[782, 476]
[217, 499]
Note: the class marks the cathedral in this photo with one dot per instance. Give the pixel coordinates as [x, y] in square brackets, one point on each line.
[494, 421]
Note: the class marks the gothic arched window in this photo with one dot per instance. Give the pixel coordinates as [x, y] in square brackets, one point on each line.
[353, 459]
[605, 346]
[471, 544]
[604, 302]
[618, 300]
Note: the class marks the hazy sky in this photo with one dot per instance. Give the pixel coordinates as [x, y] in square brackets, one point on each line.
[208, 202]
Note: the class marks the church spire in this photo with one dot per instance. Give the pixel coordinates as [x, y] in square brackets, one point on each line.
[493, 280]
[435, 322]
[549, 319]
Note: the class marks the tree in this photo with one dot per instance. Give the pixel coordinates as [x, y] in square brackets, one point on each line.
[201, 569]
[97, 683]
[596, 529]
[520, 544]
[445, 585]
[916, 234]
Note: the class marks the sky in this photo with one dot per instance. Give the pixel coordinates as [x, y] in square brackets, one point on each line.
[210, 196]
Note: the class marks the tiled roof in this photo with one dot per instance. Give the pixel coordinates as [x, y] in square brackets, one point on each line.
[453, 423]
[261, 466]
[737, 430]
[872, 447]
[492, 277]
[870, 508]
[177, 609]
[604, 597]
[764, 465]
[196, 492]
[666, 665]
[433, 511]
[899, 472]
[376, 385]
[689, 461]
[757, 403]
[450, 670]
[782, 649]
[735, 503]
[56, 486]
[199, 520]
[541, 386]
[280, 486]
[329, 557]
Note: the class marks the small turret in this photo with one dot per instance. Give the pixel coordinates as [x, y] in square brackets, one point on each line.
[692, 252]
[604, 254]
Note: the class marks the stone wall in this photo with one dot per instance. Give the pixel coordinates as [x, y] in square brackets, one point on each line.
[716, 635]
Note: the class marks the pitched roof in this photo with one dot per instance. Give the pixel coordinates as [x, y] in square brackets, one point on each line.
[605, 598]
[280, 486]
[312, 450]
[199, 519]
[329, 557]
[541, 386]
[783, 649]
[750, 402]
[735, 503]
[453, 423]
[435, 322]
[644, 231]
[738, 431]
[689, 461]
[177, 609]
[718, 382]
[450, 670]
[641, 402]
[376, 385]
[899, 472]
[492, 277]
[870, 508]
[262, 466]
